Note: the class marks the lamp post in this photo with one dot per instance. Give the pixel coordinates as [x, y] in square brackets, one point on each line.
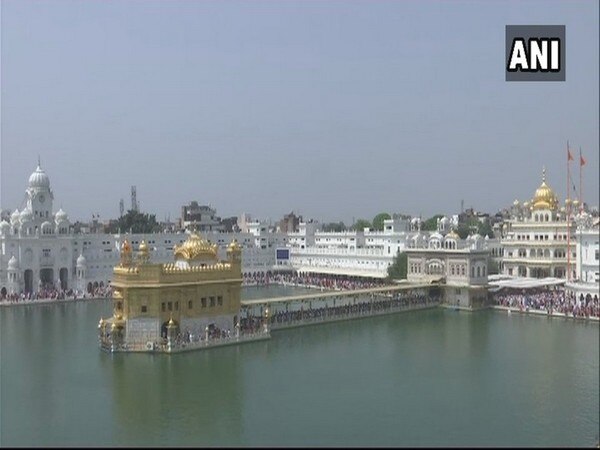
[266, 322]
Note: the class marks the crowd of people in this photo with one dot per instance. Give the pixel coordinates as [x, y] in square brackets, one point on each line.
[324, 281]
[253, 323]
[49, 292]
[549, 300]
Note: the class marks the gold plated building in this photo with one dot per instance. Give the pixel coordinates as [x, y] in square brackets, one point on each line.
[194, 296]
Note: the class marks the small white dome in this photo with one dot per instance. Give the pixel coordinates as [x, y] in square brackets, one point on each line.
[444, 220]
[25, 216]
[80, 260]
[39, 179]
[13, 263]
[61, 216]
[47, 226]
[14, 217]
[436, 236]
[4, 227]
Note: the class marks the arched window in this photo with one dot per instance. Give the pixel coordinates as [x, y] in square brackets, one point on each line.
[478, 271]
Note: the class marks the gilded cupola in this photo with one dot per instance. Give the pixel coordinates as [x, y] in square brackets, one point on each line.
[544, 197]
[195, 248]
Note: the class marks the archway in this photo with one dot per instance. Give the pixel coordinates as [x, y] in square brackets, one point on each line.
[63, 275]
[28, 278]
[89, 287]
[47, 277]
[95, 285]
[3, 292]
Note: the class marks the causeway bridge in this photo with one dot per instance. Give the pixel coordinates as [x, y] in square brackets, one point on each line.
[330, 306]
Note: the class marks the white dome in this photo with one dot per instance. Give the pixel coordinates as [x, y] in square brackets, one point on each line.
[47, 225]
[25, 215]
[13, 263]
[39, 179]
[436, 236]
[14, 217]
[61, 216]
[80, 261]
[4, 227]
[415, 220]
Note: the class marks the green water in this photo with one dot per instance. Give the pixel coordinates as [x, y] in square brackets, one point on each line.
[427, 378]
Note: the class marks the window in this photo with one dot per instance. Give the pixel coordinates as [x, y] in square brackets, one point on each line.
[597, 255]
[163, 306]
[144, 308]
[177, 306]
[170, 306]
[203, 302]
[212, 301]
[220, 300]
[189, 304]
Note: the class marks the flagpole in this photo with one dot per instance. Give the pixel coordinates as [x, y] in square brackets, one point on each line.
[568, 214]
[580, 183]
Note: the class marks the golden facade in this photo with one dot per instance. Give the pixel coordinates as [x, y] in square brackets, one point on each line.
[155, 301]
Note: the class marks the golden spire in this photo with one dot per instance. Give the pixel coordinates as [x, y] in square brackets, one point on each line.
[544, 197]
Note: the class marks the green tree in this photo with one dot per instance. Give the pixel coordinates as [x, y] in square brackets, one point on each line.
[485, 229]
[136, 222]
[378, 220]
[360, 224]
[431, 223]
[399, 268]
[334, 227]
[463, 230]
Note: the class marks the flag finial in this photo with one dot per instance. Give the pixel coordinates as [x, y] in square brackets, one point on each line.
[39, 163]
[543, 174]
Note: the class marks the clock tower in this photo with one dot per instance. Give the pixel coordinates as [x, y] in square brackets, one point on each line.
[39, 196]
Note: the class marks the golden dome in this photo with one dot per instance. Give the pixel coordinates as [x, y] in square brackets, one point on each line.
[101, 323]
[143, 246]
[233, 246]
[544, 197]
[575, 202]
[516, 203]
[453, 235]
[195, 248]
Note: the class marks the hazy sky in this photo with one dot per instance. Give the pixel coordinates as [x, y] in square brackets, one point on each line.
[334, 109]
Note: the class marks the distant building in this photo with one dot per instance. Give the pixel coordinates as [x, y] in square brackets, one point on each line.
[290, 223]
[200, 218]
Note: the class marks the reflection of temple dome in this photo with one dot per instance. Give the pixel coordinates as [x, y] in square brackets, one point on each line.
[39, 179]
[544, 197]
[80, 260]
[195, 248]
[143, 247]
[13, 263]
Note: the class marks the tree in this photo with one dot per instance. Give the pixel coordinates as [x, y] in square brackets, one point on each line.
[485, 229]
[378, 220]
[360, 224]
[463, 230]
[334, 227]
[431, 223]
[398, 269]
[136, 222]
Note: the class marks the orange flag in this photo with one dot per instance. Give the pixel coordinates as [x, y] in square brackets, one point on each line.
[569, 156]
[581, 160]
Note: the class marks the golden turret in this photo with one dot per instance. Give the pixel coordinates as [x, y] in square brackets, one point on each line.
[544, 197]
[125, 253]
[143, 253]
